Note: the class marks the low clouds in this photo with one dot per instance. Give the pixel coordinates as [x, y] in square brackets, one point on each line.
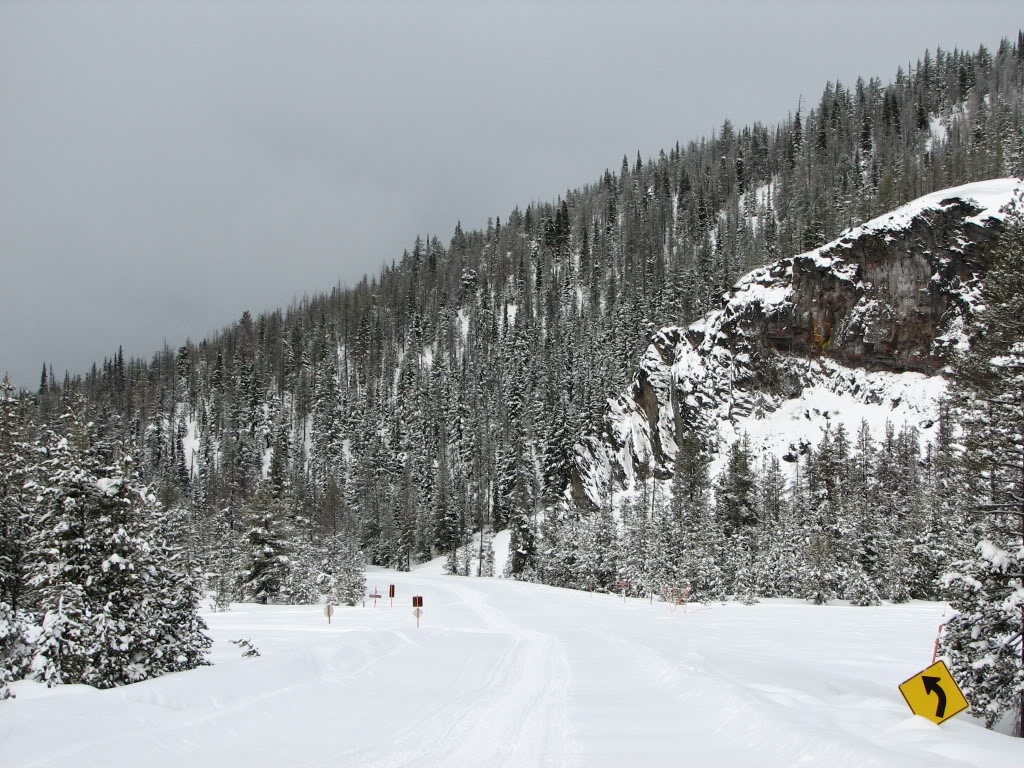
[164, 166]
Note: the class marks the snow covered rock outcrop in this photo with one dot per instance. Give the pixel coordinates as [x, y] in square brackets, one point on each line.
[859, 328]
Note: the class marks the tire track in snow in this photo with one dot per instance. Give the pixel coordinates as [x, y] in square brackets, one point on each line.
[508, 711]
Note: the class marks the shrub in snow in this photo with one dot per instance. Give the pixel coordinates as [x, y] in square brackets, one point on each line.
[248, 649]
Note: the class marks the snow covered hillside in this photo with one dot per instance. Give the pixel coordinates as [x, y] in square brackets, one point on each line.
[858, 329]
[513, 674]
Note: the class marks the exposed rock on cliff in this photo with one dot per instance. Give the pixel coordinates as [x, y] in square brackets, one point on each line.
[869, 320]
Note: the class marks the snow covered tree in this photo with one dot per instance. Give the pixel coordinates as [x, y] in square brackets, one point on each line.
[518, 483]
[636, 565]
[736, 490]
[700, 539]
[864, 512]
[300, 584]
[15, 503]
[115, 604]
[486, 564]
[985, 638]
[816, 507]
[342, 576]
[899, 511]
[860, 590]
[16, 643]
[944, 535]
[269, 551]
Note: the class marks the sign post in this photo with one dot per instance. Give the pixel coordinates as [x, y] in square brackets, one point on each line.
[391, 594]
[417, 608]
[328, 612]
[375, 596]
[933, 694]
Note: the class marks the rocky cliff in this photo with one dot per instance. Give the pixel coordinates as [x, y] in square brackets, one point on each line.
[859, 328]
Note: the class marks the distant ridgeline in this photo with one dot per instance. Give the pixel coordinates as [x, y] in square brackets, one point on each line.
[474, 386]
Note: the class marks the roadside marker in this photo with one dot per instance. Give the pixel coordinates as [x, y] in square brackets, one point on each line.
[933, 694]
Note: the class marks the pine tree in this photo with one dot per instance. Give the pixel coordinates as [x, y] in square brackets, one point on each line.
[860, 590]
[984, 640]
[115, 603]
[342, 576]
[517, 487]
[269, 551]
[15, 648]
[636, 566]
[15, 504]
[486, 567]
[778, 550]
[944, 536]
[700, 542]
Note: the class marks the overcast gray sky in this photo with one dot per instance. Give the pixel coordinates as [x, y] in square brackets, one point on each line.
[166, 165]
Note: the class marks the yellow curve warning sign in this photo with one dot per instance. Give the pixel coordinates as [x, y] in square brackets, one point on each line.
[933, 693]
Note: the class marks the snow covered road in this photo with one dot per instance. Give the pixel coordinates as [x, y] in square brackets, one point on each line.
[508, 674]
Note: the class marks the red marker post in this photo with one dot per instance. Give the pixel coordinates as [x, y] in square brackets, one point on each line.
[417, 608]
[391, 594]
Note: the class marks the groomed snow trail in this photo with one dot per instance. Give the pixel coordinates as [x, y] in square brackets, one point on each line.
[508, 674]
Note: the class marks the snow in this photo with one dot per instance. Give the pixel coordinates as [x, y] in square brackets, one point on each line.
[938, 132]
[990, 195]
[109, 486]
[500, 544]
[841, 395]
[268, 456]
[190, 442]
[512, 674]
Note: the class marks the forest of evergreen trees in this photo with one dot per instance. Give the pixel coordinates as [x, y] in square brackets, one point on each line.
[443, 396]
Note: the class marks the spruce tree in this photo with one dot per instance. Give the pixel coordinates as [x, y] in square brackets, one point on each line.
[15, 648]
[269, 560]
[984, 640]
[342, 571]
[15, 503]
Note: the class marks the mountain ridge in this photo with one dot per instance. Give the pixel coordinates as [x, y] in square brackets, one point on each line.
[893, 295]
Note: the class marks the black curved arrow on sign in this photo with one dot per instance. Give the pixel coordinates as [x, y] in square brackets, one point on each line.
[931, 685]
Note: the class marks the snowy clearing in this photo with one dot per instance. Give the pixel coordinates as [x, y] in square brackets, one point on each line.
[514, 674]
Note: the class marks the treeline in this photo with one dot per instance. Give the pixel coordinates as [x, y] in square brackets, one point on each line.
[851, 519]
[94, 584]
[444, 395]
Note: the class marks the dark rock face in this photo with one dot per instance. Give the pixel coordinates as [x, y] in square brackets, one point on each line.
[892, 295]
[884, 300]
